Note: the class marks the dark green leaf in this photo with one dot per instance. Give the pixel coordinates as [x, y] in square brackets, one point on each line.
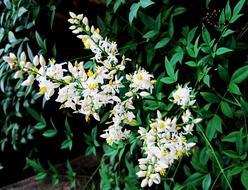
[133, 12]
[226, 109]
[40, 126]
[206, 36]
[238, 7]
[34, 114]
[167, 80]
[41, 176]
[50, 133]
[240, 75]
[151, 34]
[227, 33]
[11, 37]
[231, 137]
[233, 88]
[169, 68]
[210, 97]
[231, 154]
[244, 179]
[228, 11]
[206, 183]
[194, 179]
[145, 3]
[222, 50]
[21, 11]
[163, 42]
[223, 73]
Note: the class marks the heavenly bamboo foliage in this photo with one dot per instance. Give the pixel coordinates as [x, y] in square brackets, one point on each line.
[90, 91]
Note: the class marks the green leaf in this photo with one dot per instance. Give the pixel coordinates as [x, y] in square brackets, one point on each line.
[145, 3]
[191, 34]
[213, 125]
[222, 50]
[228, 11]
[194, 179]
[147, 20]
[206, 182]
[233, 88]
[231, 137]
[191, 63]
[1, 34]
[39, 40]
[40, 126]
[163, 42]
[11, 37]
[238, 7]
[206, 80]
[240, 75]
[133, 12]
[223, 73]
[226, 109]
[50, 133]
[171, 27]
[41, 176]
[236, 171]
[210, 97]
[227, 33]
[206, 36]
[169, 68]
[34, 114]
[210, 131]
[150, 34]
[21, 11]
[167, 80]
[231, 154]
[66, 144]
[216, 122]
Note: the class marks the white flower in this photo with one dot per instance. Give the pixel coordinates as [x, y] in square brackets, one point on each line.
[141, 80]
[182, 96]
[29, 81]
[47, 87]
[18, 74]
[186, 116]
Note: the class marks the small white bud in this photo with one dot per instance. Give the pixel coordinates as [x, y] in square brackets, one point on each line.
[72, 14]
[85, 21]
[23, 57]
[36, 60]
[42, 61]
[18, 74]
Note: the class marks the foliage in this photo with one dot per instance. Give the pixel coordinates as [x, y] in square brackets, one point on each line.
[201, 54]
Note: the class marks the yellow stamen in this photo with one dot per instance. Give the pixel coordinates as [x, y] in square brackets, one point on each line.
[62, 106]
[139, 77]
[43, 90]
[90, 73]
[162, 172]
[179, 153]
[87, 118]
[161, 125]
[52, 61]
[183, 138]
[92, 86]
[35, 70]
[110, 82]
[178, 128]
[133, 122]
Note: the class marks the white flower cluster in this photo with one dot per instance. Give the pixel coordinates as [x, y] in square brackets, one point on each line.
[166, 140]
[88, 92]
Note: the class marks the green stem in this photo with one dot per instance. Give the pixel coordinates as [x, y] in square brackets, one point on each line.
[215, 156]
[91, 177]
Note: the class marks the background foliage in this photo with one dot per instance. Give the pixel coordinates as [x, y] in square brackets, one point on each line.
[203, 43]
